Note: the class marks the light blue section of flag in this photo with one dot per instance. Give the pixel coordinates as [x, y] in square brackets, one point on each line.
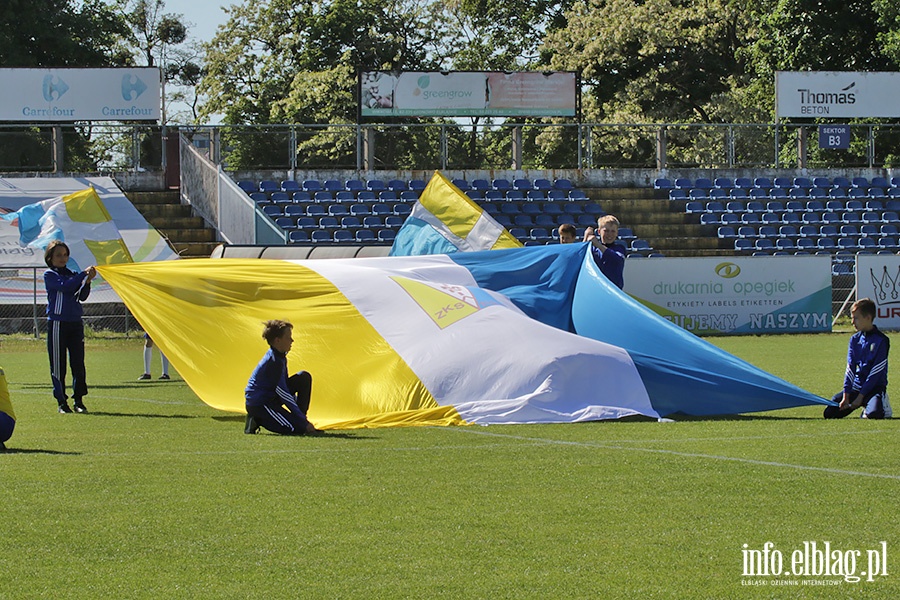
[560, 285]
[417, 237]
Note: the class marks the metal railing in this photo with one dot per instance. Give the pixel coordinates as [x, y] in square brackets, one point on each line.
[449, 145]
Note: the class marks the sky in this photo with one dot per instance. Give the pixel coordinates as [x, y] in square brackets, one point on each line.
[205, 15]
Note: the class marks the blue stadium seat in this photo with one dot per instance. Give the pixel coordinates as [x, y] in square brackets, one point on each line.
[818, 194]
[876, 192]
[786, 244]
[764, 245]
[675, 195]
[280, 198]
[715, 207]
[726, 232]
[388, 196]
[824, 243]
[738, 194]
[480, 184]
[307, 223]
[576, 194]
[539, 234]
[759, 194]
[871, 217]
[523, 220]
[343, 236]
[860, 183]
[259, 198]
[729, 219]
[841, 182]
[494, 195]
[743, 245]
[774, 206]
[417, 185]
[475, 194]
[334, 186]
[784, 183]
[821, 182]
[530, 208]
[298, 237]
[397, 185]
[795, 206]
[552, 208]
[543, 184]
[338, 210]
[316, 210]
[573, 209]
[779, 194]
[640, 245]
[703, 183]
[393, 221]
[683, 183]
[889, 229]
[770, 218]
[301, 197]
[808, 231]
[750, 219]
[285, 222]
[380, 208]
[248, 186]
[788, 231]
[522, 184]
[501, 184]
[320, 236]
[360, 209]
[717, 194]
[563, 184]
[857, 193]
[734, 207]
[350, 222]
[743, 182]
[518, 232]
[273, 210]
[767, 231]
[802, 182]
[409, 196]
[508, 208]
[869, 230]
[807, 244]
[798, 194]
[849, 231]
[355, 185]
[462, 184]
[312, 185]
[535, 196]
[626, 234]
[850, 217]
[698, 195]
[762, 183]
[345, 197]
[723, 183]
[543, 220]
[267, 186]
[386, 235]
[811, 218]
[875, 205]
[847, 243]
[328, 222]
[400, 209]
[815, 206]
[888, 243]
[709, 219]
[513, 195]
[661, 183]
[294, 210]
[890, 216]
[746, 231]
[365, 236]
[375, 185]
[323, 197]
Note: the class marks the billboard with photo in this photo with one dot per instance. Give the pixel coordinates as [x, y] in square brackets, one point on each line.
[67, 95]
[878, 278]
[837, 94]
[736, 295]
[467, 93]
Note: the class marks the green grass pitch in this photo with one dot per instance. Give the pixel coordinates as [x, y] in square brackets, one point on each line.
[155, 495]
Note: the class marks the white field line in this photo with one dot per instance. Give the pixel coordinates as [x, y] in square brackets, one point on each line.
[750, 461]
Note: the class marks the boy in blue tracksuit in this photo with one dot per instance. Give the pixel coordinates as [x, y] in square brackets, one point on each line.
[66, 290]
[275, 401]
[608, 255]
[865, 381]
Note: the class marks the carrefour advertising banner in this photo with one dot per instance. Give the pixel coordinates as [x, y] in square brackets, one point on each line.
[66, 95]
[838, 94]
[464, 93]
[878, 278]
[736, 295]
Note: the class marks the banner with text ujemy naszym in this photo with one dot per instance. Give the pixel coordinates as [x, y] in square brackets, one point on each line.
[736, 295]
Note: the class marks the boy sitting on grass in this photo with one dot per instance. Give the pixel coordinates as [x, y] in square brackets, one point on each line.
[865, 381]
[275, 401]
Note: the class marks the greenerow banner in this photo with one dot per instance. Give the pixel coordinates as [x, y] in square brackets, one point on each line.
[467, 93]
[837, 94]
[66, 95]
[737, 295]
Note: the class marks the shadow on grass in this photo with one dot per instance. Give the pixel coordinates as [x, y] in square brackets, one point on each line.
[35, 451]
[328, 434]
[100, 413]
[122, 386]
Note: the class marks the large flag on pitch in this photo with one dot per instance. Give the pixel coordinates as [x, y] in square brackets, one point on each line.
[81, 221]
[445, 220]
[480, 337]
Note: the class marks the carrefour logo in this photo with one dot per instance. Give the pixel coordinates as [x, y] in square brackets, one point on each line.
[132, 90]
[727, 270]
[54, 88]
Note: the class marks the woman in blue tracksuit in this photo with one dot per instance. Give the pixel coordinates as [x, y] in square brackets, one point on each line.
[66, 290]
